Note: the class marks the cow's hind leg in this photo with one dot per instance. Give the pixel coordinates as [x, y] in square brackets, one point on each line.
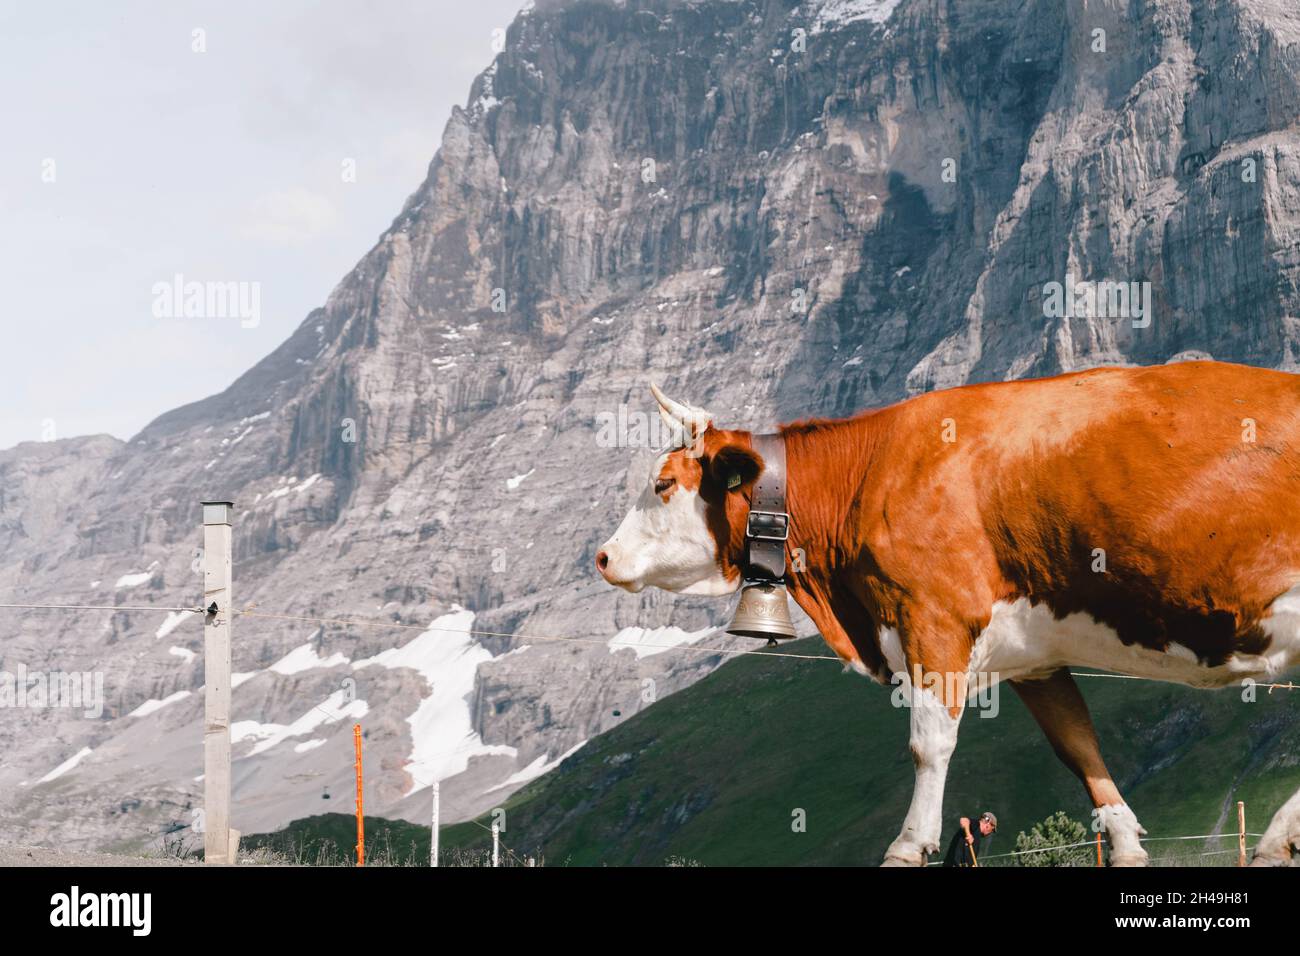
[1061, 712]
[1278, 846]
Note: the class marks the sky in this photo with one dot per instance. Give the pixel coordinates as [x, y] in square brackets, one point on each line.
[263, 144]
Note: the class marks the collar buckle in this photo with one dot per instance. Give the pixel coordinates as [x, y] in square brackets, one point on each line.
[769, 526]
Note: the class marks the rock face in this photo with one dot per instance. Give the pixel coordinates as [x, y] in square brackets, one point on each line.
[774, 210]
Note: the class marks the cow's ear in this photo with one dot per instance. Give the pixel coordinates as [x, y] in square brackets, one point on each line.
[734, 466]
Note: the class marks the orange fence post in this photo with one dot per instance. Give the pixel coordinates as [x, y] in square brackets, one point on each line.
[1099, 848]
[361, 826]
[1241, 833]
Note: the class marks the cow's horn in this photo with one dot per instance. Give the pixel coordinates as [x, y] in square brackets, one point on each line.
[686, 414]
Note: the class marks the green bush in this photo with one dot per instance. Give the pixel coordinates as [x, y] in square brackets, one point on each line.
[1056, 831]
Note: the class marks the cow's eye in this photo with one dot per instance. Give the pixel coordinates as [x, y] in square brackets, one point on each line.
[663, 484]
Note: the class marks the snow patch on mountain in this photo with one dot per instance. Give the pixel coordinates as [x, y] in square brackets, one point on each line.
[542, 765]
[835, 14]
[136, 578]
[331, 710]
[448, 656]
[304, 657]
[67, 765]
[174, 619]
[149, 706]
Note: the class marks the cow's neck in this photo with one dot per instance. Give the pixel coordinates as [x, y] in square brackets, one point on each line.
[828, 464]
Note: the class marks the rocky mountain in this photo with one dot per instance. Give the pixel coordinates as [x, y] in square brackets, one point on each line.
[773, 209]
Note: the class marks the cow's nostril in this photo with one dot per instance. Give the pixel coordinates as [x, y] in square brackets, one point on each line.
[602, 560]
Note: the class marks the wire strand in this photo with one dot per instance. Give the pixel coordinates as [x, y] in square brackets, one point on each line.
[102, 607]
[1093, 843]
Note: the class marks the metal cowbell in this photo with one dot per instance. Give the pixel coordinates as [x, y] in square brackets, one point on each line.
[763, 612]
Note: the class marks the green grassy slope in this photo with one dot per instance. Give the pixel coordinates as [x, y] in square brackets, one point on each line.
[714, 773]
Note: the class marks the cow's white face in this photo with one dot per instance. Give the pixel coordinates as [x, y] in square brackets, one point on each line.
[665, 540]
[686, 531]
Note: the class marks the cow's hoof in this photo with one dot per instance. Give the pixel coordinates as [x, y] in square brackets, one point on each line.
[1129, 859]
[903, 856]
[1283, 857]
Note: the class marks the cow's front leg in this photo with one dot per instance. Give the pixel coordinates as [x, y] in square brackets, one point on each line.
[933, 738]
[933, 686]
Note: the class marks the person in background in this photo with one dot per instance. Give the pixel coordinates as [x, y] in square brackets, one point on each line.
[967, 843]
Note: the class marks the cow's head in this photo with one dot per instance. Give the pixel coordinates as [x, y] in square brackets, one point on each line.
[686, 531]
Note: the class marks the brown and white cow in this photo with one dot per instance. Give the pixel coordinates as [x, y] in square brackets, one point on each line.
[1145, 521]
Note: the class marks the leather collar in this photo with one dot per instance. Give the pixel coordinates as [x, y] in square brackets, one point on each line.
[768, 525]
